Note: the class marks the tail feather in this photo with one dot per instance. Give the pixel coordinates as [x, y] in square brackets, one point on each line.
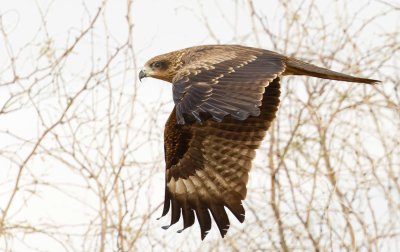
[297, 67]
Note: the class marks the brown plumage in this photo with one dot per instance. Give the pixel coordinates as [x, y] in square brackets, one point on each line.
[226, 97]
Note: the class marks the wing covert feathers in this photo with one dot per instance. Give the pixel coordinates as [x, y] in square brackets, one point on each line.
[229, 85]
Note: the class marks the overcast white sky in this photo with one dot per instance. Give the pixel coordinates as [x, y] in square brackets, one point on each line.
[159, 26]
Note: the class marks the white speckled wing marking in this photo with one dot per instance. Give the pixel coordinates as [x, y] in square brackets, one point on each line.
[208, 165]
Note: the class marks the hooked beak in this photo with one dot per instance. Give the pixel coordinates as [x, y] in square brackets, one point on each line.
[142, 74]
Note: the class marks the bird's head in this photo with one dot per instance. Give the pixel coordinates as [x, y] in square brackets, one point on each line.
[160, 67]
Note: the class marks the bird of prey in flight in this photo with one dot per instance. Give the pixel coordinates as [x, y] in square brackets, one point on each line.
[226, 97]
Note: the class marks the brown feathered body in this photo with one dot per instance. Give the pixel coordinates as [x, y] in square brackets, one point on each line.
[226, 97]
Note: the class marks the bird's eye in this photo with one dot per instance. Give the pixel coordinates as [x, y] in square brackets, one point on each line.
[157, 65]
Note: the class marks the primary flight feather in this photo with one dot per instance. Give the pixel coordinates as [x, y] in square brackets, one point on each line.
[226, 97]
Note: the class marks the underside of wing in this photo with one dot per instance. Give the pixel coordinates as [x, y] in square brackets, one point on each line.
[218, 85]
[208, 164]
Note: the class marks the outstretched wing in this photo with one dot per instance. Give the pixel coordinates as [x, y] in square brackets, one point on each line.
[208, 164]
[221, 81]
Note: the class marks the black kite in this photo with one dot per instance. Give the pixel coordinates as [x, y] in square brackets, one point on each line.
[226, 97]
